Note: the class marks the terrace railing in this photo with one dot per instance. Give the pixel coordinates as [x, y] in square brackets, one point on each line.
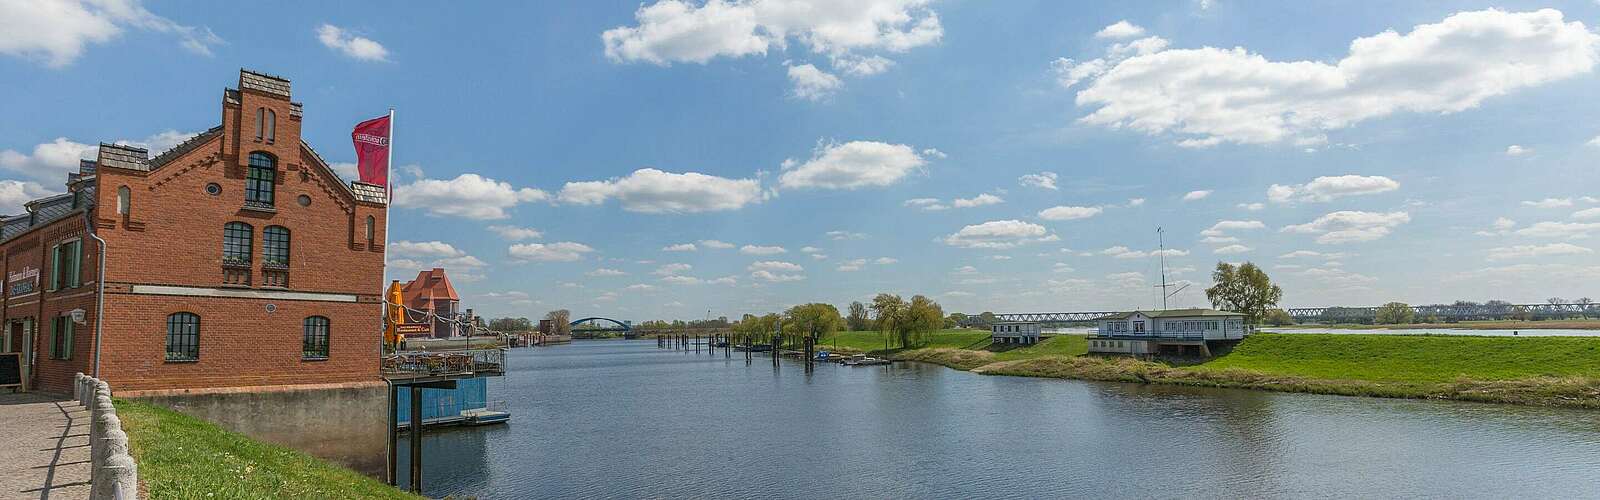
[444, 363]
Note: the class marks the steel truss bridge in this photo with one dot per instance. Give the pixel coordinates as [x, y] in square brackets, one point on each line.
[1335, 314]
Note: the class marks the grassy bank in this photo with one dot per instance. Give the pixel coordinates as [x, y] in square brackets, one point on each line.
[184, 457]
[1549, 371]
[1549, 324]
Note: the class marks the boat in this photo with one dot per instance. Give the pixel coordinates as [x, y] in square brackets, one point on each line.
[864, 360]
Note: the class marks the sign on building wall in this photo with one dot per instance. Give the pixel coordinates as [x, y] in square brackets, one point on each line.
[410, 328]
[22, 282]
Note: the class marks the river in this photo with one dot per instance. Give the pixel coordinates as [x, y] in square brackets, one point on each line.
[623, 419]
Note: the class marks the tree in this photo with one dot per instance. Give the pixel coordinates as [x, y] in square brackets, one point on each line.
[1244, 289]
[858, 321]
[561, 321]
[986, 319]
[815, 320]
[1395, 313]
[907, 322]
[510, 325]
[1278, 317]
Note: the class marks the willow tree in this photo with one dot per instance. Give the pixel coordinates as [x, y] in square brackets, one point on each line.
[907, 322]
[815, 320]
[1243, 289]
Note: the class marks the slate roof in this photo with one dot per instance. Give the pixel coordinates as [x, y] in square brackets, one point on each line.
[230, 96]
[271, 84]
[184, 147]
[119, 156]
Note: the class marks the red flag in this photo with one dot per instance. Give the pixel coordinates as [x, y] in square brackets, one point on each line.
[371, 138]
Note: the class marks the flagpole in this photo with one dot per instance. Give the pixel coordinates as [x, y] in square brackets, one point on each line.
[388, 200]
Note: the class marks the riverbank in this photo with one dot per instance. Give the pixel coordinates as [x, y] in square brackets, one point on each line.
[184, 457]
[1548, 324]
[1543, 371]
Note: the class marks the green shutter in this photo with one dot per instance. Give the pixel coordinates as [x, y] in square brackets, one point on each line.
[71, 328]
[55, 267]
[75, 270]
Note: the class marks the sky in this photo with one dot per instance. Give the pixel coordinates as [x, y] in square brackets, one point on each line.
[679, 159]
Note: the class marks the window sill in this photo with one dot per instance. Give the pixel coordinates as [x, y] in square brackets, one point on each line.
[323, 358]
[259, 207]
[182, 361]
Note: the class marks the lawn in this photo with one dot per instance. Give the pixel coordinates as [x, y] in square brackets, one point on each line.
[868, 341]
[1406, 358]
[1548, 324]
[184, 457]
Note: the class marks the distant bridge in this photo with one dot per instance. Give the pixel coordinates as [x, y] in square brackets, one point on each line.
[1336, 314]
[593, 325]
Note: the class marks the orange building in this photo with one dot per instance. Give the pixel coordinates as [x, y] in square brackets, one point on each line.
[432, 293]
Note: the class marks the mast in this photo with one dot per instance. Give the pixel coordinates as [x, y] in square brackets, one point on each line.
[1161, 242]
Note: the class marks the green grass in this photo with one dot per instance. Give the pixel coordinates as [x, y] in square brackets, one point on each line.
[184, 457]
[1407, 358]
[1551, 371]
[868, 341]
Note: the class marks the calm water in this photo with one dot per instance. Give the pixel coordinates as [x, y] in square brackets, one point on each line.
[622, 419]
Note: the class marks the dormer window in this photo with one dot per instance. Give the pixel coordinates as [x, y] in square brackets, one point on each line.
[261, 180]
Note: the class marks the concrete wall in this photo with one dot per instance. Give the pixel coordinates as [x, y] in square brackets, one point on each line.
[341, 423]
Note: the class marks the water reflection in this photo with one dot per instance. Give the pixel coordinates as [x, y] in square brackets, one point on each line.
[623, 419]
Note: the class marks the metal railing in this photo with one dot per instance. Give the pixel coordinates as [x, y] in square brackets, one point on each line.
[1165, 334]
[422, 363]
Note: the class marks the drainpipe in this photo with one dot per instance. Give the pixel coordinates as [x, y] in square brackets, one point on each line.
[100, 293]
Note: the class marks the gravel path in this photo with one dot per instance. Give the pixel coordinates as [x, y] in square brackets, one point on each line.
[44, 447]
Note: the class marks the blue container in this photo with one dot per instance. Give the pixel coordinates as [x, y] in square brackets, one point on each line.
[469, 394]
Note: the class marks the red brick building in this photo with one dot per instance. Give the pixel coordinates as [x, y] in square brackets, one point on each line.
[432, 293]
[238, 258]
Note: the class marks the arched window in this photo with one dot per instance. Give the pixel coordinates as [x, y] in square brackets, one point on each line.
[275, 246]
[261, 122]
[183, 337]
[372, 229]
[236, 243]
[272, 124]
[262, 179]
[315, 345]
[123, 200]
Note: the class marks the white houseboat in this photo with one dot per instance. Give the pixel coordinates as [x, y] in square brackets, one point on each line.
[1176, 332]
[1015, 332]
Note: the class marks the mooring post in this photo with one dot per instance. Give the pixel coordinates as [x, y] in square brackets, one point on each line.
[416, 440]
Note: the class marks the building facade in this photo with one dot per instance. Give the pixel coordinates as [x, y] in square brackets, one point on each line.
[433, 300]
[1015, 332]
[1178, 332]
[236, 259]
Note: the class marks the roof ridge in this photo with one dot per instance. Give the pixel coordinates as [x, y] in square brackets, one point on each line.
[183, 147]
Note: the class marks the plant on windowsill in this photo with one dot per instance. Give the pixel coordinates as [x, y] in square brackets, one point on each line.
[274, 266]
[313, 356]
[180, 358]
[260, 206]
[236, 263]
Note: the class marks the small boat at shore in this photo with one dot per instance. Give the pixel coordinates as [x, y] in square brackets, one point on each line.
[863, 360]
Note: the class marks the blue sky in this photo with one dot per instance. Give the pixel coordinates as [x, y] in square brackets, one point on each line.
[989, 154]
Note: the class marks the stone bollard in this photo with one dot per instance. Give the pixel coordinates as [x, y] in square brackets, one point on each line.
[121, 480]
[103, 420]
[102, 388]
[77, 387]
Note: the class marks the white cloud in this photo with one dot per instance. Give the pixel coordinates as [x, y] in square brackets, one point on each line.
[772, 277]
[1233, 225]
[1135, 202]
[861, 66]
[813, 84]
[564, 251]
[672, 269]
[681, 247]
[965, 270]
[604, 271]
[1549, 203]
[1594, 142]
[1122, 252]
[977, 201]
[1313, 253]
[1338, 277]
[354, 46]
[996, 234]
[852, 165]
[652, 191]
[775, 265]
[762, 250]
[468, 195]
[851, 265]
[1516, 150]
[1252, 206]
[671, 31]
[1046, 180]
[883, 261]
[1219, 239]
[1213, 95]
[1348, 226]
[1573, 230]
[845, 235]
[809, 249]
[1196, 195]
[57, 32]
[1120, 29]
[929, 204]
[1587, 214]
[515, 233]
[50, 161]
[720, 245]
[639, 287]
[14, 194]
[1061, 267]
[674, 279]
[1549, 250]
[1231, 249]
[1503, 223]
[1324, 189]
[1069, 213]
[774, 271]
[425, 249]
